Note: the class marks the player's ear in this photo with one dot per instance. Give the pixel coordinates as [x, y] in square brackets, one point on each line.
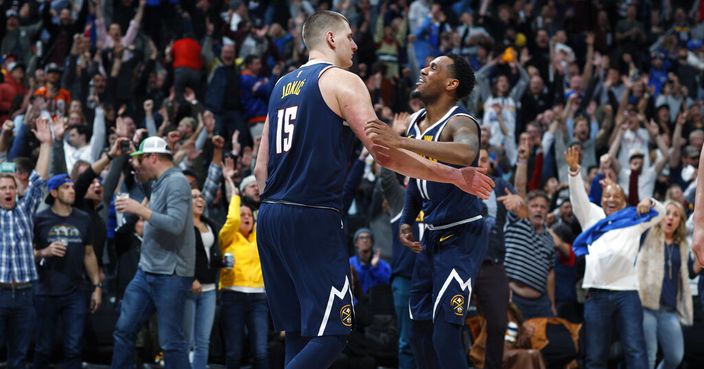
[452, 84]
[330, 39]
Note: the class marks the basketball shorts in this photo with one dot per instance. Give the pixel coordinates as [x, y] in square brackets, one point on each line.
[306, 269]
[445, 270]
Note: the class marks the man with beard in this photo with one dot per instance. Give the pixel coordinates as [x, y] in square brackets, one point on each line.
[64, 253]
[455, 242]
[167, 260]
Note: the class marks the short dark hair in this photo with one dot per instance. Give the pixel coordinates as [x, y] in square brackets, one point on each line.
[461, 70]
[80, 129]
[249, 59]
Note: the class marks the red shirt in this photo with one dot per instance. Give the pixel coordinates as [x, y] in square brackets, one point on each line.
[186, 52]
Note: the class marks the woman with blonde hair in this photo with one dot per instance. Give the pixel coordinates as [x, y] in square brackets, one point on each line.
[663, 287]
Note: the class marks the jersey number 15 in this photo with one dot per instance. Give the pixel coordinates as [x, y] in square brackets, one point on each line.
[284, 128]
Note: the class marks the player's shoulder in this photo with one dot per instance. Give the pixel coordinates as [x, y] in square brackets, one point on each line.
[461, 116]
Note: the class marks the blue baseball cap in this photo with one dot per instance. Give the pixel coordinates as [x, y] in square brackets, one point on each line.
[58, 180]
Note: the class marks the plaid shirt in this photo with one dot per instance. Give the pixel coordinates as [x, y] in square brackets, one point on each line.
[212, 182]
[16, 250]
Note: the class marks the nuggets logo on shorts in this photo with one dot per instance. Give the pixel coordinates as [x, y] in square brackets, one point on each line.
[457, 304]
[346, 315]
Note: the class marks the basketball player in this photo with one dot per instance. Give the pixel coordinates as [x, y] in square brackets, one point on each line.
[314, 114]
[455, 241]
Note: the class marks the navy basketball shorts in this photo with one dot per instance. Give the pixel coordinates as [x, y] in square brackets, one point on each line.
[445, 270]
[306, 269]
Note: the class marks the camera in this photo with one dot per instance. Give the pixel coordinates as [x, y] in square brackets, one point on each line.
[125, 146]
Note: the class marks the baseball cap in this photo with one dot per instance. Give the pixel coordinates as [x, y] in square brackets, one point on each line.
[152, 145]
[57, 181]
[11, 13]
[635, 152]
[52, 68]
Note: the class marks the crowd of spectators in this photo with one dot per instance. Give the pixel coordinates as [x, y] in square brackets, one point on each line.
[617, 84]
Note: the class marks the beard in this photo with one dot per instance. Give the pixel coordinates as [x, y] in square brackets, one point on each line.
[415, 94]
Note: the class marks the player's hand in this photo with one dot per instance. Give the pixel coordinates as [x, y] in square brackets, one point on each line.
[572, 158]
[96, 299]
[407, 239]
[382, 134]
[474, 181]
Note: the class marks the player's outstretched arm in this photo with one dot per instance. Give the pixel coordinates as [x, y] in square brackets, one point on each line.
[260, 169]
[347, 96]
[461, 149]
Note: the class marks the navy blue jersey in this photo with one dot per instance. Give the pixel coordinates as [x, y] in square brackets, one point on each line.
[309, 145]
[443, 203]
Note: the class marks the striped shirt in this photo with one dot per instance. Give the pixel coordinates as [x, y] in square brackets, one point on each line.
[529, 255]
[16, 251]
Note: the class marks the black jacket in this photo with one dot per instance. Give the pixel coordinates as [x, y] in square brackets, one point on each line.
[207, 272]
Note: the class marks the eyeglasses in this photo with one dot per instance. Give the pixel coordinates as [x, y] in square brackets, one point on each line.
[141, 157]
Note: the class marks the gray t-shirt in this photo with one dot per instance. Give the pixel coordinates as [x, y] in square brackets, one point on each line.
[169, 240]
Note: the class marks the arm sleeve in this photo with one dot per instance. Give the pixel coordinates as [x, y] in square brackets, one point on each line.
[34, 193]
[174, 218]
[212, 182]
[351, 183]
[393, 192]
[583, 209]
[97, 141]
[58, 158]
[232, 223]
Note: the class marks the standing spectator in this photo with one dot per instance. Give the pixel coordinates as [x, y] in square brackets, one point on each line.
[223, 96]
[530, 254]
[64, 253]
[106, 38]
[370, 269]
[167, 261]
[17, 39]
[187, 64]
[254, 93]
[200, 306]
[612, 233]
[402, 263]
[664, 287]
[492, 289]
[61, 36]
[17, 271]
[243, 296]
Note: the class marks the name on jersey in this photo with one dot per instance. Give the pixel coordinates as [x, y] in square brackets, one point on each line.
[292, 88]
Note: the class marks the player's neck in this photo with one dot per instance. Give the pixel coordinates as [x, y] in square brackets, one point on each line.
[436, 110]
[317, 56]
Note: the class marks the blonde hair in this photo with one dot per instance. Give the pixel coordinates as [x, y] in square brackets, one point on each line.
[680, 234]
[316, 26]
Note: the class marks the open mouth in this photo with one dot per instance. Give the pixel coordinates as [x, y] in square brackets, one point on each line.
[420, 81]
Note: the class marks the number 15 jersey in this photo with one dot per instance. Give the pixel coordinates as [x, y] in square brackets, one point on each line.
[310, 146]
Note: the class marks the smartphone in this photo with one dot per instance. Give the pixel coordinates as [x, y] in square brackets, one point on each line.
[125, 146]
